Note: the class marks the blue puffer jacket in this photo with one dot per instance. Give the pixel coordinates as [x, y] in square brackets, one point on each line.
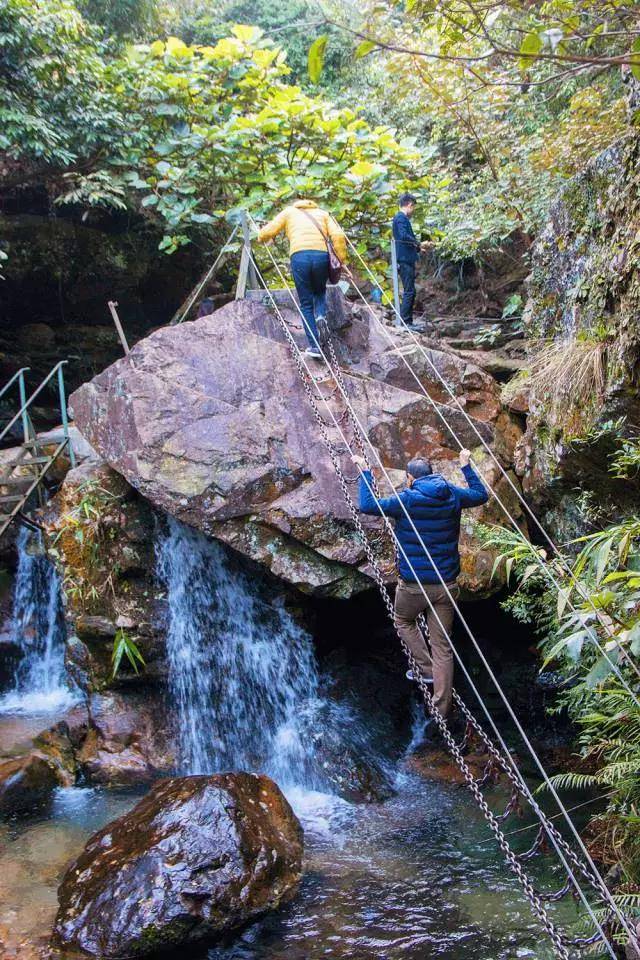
[434, 506]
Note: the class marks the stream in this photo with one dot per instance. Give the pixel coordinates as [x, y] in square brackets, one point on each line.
[410, 877]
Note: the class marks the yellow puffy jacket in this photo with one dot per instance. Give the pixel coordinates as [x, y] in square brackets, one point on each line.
[301, 232]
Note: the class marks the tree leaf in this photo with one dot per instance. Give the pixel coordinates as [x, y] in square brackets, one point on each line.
[634, 639]
[529, 48]
[316, 57]
[599, 672]
[635, 63]
[364, 48]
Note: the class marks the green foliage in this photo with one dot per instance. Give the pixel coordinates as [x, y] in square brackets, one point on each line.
[79, 541]
[625, 463]
[57, 108]
[125, 646]
[125, 19]
[185, 133]
[571, 601]
[501, 121]
[316, 57]
[289, 24]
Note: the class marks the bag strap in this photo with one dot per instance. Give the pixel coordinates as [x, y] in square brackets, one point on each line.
[316, 225]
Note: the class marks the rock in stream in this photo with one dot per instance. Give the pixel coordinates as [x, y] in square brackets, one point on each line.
[197, 857]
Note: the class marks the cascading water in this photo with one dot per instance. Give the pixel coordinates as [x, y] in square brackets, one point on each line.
[37, 628]
[242, 673]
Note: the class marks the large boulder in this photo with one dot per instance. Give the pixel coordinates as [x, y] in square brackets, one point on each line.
[197, 857]
[210, 422]
[26, 783]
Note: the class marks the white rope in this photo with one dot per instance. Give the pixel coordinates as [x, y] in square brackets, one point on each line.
[498, 833]
[209, 273]
[546, 570]
[476, 646]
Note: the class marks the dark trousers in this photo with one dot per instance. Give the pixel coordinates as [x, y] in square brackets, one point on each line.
[407, 273]
[438, 663]
[310, 269]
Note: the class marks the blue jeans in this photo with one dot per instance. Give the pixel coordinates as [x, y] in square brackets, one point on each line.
[407, 273]
[310, 269]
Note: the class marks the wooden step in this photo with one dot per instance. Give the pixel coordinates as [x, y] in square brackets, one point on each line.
[16, 481]
[12, 498]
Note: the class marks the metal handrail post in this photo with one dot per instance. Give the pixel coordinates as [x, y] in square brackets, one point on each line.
[23, 406]
[36, 392]
[394, 277]
[63, 411]
[13, 379]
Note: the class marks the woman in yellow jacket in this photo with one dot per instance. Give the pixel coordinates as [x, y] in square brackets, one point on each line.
[306, 226]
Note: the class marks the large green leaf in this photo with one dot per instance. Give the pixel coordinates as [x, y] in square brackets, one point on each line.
[364, 48]
[316, 58]
[529, 49]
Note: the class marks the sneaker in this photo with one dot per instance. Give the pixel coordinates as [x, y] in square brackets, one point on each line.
[314, 353]
[410, 675]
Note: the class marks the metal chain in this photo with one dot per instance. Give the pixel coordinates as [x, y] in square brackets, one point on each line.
[517, 781]
[510, 856]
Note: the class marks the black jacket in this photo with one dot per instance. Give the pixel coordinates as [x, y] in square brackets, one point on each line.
[407, 246]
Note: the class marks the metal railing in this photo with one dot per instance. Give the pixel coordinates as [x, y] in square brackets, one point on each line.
[25, 403]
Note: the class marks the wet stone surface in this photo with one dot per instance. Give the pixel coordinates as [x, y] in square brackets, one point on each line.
[196, 857]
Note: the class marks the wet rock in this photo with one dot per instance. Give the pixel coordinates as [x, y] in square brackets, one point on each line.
[584, 293]
[197, 857]
[61, 743]
[129, 739]
[435, 763]
[109, 575]
[26, 783]
[210, 422]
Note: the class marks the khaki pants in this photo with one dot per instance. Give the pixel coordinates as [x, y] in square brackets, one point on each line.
[410, 603]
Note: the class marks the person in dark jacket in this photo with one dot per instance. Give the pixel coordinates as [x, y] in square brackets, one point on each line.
[408, 249]
[434, 506]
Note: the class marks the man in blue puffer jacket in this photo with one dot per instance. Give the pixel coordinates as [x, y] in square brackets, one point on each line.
[434, 506]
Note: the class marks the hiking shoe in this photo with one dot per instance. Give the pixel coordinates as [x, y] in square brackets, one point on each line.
[314, 353]
[410, 675]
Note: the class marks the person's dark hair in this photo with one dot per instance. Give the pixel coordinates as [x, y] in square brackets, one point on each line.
[419, 467]
[406, 198]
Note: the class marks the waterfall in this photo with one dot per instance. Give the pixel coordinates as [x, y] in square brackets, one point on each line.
[37, 628]
[243, 675]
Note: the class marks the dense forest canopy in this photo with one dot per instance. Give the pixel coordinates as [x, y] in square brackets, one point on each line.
[180, 112]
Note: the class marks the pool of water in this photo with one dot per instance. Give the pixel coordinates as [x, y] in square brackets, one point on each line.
[409, 879]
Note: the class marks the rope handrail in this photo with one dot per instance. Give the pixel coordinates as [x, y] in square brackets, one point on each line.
[512, 859]
[307, 378]
[225, 247]
[601, 885]
[535, 556]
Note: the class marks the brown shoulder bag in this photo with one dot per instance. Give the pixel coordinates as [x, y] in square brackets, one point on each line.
[335, 263]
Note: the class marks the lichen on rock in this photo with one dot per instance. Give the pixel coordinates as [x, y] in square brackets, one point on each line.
[584, 298]
[210, 422]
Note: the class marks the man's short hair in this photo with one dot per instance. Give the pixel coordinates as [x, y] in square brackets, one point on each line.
[406, 198]
[419, 467]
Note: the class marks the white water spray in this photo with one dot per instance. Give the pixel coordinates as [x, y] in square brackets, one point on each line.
[242, 673]
[37, 627]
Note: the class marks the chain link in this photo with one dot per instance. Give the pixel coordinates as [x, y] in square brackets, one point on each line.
[516, 867]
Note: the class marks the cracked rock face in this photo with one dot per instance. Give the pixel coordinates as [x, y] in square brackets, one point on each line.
[210, 422]
[197, 857]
